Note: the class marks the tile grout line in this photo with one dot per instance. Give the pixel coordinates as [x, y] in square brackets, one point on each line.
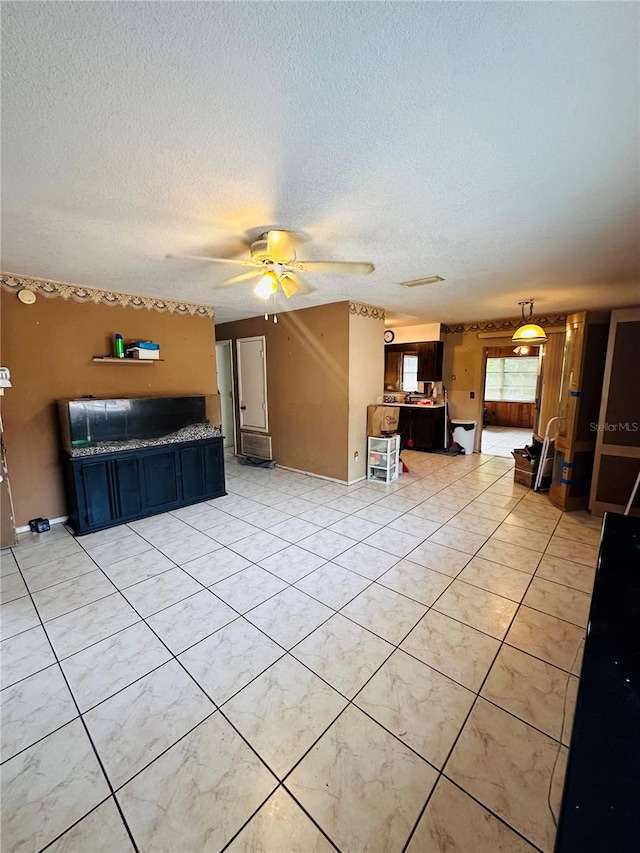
[292, 584]
[88, 734]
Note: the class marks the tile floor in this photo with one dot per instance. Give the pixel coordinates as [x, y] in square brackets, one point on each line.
[298, 666]
[500, 441]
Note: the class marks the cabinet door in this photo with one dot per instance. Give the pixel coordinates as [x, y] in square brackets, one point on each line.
[128, 485]
[430, 361]
[423, 436]
[214, 469]
[193, 478]
[160, 475]
[97, 506]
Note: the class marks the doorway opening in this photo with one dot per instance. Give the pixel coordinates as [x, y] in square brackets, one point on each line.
[511, 399]
[224, 366]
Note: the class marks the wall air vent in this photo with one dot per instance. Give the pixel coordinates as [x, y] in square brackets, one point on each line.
[256, 446]
[418, 282]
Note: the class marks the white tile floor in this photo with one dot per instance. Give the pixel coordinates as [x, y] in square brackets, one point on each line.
[500, 441]
[298, 666]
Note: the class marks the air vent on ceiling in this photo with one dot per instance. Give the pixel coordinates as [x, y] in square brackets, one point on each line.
[418, 282]
[257, 446]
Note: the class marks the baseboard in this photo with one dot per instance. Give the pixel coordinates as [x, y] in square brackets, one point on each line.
[25, 527]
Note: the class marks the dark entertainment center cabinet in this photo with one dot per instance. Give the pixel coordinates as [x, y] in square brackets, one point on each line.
[112, 488]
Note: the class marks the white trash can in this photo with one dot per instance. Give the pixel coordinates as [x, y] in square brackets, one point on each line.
[464, 433]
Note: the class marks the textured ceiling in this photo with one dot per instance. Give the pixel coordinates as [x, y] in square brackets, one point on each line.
[494, 144]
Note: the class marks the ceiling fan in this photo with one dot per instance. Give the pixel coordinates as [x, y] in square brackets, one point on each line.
[274, 262]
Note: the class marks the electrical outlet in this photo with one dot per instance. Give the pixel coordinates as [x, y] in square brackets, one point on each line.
[356, 456]
[472, 395]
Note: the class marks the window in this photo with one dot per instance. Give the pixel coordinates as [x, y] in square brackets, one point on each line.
[409, 372]
[511, 379]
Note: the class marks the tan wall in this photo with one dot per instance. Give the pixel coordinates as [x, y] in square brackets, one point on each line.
[464, 359]
[307, 385]
[412, 334]
[48, 347]
[366, 375]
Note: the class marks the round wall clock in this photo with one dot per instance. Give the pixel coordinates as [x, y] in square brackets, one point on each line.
[27, 296]
[389, 336]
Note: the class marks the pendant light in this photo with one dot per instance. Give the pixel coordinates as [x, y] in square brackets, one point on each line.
[528, 333]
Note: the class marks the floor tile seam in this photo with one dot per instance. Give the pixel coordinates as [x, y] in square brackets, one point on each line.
[74, 609]
[493, 813]
[481, 688]
[557, 741]
[57, 583]
[84, 726]
[558, 583]
[298, 803]
[95, 642]
[75, 823]
[484, 589]
[561, 583]
[39, 739]
[501, 643]
[174, 657]
[337, 611]
[504, 565]
[553, 615]
[117, 789]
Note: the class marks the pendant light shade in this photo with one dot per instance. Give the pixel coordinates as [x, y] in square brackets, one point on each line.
[528, 333]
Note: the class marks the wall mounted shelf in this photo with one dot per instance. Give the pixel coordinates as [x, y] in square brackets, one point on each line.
[108, 359]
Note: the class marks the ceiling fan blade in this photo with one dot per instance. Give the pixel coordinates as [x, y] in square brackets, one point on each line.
[293, 283]
[281, 246]
[333, 266]
[244, 276]
[212, 260]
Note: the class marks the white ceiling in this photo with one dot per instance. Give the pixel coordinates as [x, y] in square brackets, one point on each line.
[494, 144]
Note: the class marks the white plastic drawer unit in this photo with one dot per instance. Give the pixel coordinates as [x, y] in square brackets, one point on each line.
[383, 458]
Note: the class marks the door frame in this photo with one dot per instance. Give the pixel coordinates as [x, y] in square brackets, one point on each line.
[263, 339]
[229, 343]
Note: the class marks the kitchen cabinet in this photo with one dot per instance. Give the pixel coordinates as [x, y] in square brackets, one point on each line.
[430, 356]
[112, 488]
[422, 427]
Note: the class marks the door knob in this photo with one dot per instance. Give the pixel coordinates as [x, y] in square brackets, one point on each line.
[243, 408]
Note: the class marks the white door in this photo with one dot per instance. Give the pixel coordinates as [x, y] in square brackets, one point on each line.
[224, 364]
[252, 383]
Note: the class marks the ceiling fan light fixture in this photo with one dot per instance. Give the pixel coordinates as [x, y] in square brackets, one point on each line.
[267, 285]
[528, 333]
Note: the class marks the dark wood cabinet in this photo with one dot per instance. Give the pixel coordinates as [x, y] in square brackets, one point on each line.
[430, 355]
[422, 428]
[114, 488]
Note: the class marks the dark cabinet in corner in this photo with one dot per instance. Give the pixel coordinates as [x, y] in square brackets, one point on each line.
[430, 355]
[113, 488]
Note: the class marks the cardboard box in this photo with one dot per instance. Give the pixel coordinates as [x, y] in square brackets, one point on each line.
[525, 468]
[525, 478]
[382, 420]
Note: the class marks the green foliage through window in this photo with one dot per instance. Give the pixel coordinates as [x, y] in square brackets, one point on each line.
[511, 379]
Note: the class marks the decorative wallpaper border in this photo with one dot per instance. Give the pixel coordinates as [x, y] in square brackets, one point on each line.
[53, 289]
[363, 310]
[505, 325]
